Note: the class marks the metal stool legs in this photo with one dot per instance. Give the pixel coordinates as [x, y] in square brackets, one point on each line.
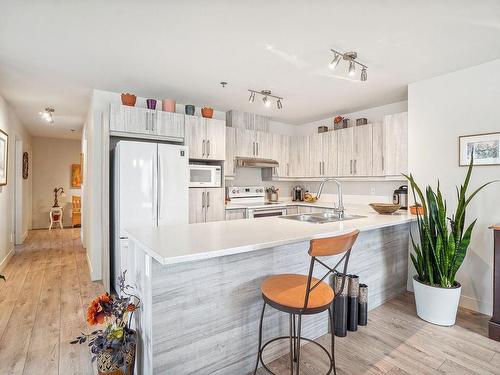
[332, 329]
[260, 338]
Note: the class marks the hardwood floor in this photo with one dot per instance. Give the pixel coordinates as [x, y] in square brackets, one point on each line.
[42, 306]
[48, 287]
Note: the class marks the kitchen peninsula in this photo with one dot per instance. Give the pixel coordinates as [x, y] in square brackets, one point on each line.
[200, 284]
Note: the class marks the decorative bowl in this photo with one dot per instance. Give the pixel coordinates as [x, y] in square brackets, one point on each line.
[207, 112]
[385, 208]
[128, 99]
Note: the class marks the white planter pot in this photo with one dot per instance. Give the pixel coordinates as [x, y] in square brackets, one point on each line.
[436, 305]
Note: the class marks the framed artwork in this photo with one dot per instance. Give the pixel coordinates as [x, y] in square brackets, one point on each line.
[4, 163]
[25, 165]
[76, 181]
[484, 147]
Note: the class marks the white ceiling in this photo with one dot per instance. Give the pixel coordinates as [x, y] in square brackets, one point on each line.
[54, 52]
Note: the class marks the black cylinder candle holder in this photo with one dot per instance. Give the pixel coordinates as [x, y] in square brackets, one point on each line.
[340, 305]
[363, 305]
[352, 302]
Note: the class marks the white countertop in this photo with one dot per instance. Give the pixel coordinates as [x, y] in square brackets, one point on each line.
[284, 203]
[180, 243]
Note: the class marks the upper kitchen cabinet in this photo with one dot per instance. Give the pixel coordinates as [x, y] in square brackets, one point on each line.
[395, 144]
[253, 144]
[229, 161]
[355, 150]
[206, 138]
[323, 154]
[299, 157]
[139, 122]
[280, 151]
[248, 121]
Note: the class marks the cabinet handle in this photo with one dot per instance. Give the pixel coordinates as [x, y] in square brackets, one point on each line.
[350, 167]
[208, 148]
[208, 199]
[382, 163]
[323, 167]
[257, 143]
[253, 148]
[203, 148]
[355, 160]
[320, 168]
[153, 120]
[203, 200]
[287, 169]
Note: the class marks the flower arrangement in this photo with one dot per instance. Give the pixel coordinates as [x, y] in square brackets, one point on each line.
[116, 339]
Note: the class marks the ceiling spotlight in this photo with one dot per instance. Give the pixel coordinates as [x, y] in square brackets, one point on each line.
[266, 101]
[364, 75]
[266, 95]
[252, 97]
[46, 115]
[352, 69]
[349, 57]
[279, 104]
[335, 61]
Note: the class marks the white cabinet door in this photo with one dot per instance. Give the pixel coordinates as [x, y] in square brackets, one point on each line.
[378, 149]
[345, 151]
[214, 204]
[396, 144]
[235, 214]
[169, 124]
[195, 137]
[299, 156]
[330, 157]
[215, 139]
[363, 148]
[197, 199]
[245, 143]
[316, 155]
[229, 163]
[284, 148]
[263, 145]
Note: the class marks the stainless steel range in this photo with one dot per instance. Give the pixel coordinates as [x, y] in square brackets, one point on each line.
[253, 198]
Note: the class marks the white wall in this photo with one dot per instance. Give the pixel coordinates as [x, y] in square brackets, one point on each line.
[52, 159]
[373, 115]
[13, 127]
[439, 111]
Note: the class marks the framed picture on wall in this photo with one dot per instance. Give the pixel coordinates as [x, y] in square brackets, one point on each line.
[76, 182]
[484, 147]
[4, 163]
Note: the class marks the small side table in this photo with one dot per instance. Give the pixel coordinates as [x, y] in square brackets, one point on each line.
[56, 216]
[494, 325]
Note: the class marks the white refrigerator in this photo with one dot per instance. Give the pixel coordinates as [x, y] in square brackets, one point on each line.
[150, 187]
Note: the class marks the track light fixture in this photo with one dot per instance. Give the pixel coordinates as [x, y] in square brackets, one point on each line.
[351, 58]
[266, 98]
[46, 115]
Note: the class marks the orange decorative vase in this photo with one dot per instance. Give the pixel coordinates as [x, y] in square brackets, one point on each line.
[207, 112]
[129, 99]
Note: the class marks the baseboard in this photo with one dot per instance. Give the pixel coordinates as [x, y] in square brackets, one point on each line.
[6, 260]
[476, 305]
[24, 236]
[90, 265]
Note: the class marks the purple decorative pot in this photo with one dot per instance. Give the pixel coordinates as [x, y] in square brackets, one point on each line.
[151, 103]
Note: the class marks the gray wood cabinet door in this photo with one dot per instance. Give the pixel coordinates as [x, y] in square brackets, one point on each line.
[168, 124]
[197, 199]
[363, 150]
[284, 158]
[245, 143]
[195, 137]
[229, 163]
[396, 144]
[263, 145]
[316, 156]
[235, 214]
[345, 145]
[378, 149]
[215, 143]
[330, 154]
[214, 204]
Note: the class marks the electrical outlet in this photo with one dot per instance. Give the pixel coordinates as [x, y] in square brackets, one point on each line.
[372, 191]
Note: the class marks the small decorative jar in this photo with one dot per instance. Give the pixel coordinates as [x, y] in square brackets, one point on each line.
[207, 112]
[190, 109]
[128, 99]
[168, 105]
[151, 103]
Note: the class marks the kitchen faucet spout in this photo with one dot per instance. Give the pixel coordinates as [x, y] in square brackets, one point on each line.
[339, 192]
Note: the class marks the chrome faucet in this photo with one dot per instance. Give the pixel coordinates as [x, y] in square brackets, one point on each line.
[340, 208]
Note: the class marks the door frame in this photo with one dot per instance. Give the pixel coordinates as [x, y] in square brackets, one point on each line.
[19, 235]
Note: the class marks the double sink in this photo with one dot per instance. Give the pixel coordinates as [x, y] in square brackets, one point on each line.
[321, 217]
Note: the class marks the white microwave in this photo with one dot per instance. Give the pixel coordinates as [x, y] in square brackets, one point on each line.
[205, 175]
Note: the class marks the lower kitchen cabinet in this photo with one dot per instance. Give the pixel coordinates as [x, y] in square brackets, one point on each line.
[206, 204]
[235, 214]
[292, 210]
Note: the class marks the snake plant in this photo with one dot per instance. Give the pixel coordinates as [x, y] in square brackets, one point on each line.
[443, 241]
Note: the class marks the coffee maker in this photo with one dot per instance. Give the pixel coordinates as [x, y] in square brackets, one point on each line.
[400, 197]
[298, 193]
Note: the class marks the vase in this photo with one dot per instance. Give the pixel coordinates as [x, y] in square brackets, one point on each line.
[363, 305]
[189, 108]
[352, 303]
[340, 306]
[207, 112]
[151, 103]
[128, 99]
[168, 105]
[106, 366]
[436, 305]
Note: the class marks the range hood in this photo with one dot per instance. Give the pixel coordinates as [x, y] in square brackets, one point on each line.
[256, 163]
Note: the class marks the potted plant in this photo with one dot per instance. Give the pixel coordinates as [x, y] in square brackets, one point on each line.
[441, 250]
[113, 345]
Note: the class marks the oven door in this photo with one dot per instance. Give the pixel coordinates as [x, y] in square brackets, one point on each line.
[253, 213]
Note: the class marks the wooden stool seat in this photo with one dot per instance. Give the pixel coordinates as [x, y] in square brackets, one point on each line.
[289, 291]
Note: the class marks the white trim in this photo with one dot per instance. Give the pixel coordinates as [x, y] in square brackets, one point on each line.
[91, 272]
[476, 305]
[24, 236]
[6, 260]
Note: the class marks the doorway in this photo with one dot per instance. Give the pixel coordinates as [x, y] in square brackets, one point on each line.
[19, 234]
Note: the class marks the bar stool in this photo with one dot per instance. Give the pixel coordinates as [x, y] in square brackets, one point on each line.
[300, 295]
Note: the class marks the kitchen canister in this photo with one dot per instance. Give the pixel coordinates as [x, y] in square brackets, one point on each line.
[151, 103]
[168, 105]
[352, 302]
[363, 305]
[340, 305]
[189, 108]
